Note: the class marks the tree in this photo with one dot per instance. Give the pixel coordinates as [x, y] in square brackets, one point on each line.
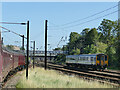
[10, 47]
[75, 52]
[61, 58]
[74, 36]
[101, 47]
[91, 37]
[57, 49]
[108, 29]
[111, 51]
[85, 31]
[118, 45]
[90, 49]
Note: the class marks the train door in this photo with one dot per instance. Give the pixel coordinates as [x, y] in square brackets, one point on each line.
[102, 60]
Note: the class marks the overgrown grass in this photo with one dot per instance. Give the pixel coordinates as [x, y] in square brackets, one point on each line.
[39, 78]
[114, 68]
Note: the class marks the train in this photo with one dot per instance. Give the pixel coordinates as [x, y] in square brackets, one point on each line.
[9, 60]
[94, 61]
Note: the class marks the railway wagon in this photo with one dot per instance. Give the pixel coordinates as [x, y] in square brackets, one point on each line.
[9, 60]
[94, 61]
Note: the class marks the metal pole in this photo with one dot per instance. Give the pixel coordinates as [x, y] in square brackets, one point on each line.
[45, 44]
[27, 49]
[33, 52]
[23, 42]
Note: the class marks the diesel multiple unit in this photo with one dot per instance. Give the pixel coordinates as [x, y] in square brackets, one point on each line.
[95, 61]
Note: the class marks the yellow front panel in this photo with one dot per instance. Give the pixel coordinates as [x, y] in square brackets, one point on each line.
[97, 62]
[102, 62]
[106, 62]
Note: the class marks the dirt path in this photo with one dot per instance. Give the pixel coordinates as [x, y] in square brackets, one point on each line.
[11, 83]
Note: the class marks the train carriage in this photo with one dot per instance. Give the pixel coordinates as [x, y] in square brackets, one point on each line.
[95, 61]
[9, 60]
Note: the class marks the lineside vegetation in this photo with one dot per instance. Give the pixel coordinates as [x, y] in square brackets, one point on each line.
[39, 78]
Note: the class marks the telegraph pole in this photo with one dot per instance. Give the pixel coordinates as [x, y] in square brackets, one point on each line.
[27, 49]
[33, 52]
[45, 44]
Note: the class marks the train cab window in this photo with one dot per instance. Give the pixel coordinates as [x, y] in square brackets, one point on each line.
[95, 58]
[98, 57]
[102, 58]
[105, 58]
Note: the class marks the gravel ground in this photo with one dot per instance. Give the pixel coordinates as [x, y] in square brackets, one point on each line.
[11, 83]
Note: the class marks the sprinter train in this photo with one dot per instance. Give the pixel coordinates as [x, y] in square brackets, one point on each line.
[94, 61]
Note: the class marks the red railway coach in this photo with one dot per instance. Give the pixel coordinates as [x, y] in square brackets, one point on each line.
[9, 60]
[21, 60]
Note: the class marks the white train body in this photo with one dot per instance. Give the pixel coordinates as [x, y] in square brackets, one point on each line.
[88, 60]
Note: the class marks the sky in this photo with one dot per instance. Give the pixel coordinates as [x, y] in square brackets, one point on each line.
[63, 18]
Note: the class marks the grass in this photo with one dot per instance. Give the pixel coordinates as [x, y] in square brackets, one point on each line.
[39, 78]
[114, 68]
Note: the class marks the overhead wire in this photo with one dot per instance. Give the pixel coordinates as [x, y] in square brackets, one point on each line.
[86, 17]
[71, 26]
[92, 19]
[89, 20]
[12, 32]
[11, 39]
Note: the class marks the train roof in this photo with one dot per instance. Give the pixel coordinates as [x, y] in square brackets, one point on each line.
[12, 51]
[87, 54]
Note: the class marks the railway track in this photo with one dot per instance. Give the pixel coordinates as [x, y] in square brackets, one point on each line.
[111, 71]
[117, 73]
[100, 76]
